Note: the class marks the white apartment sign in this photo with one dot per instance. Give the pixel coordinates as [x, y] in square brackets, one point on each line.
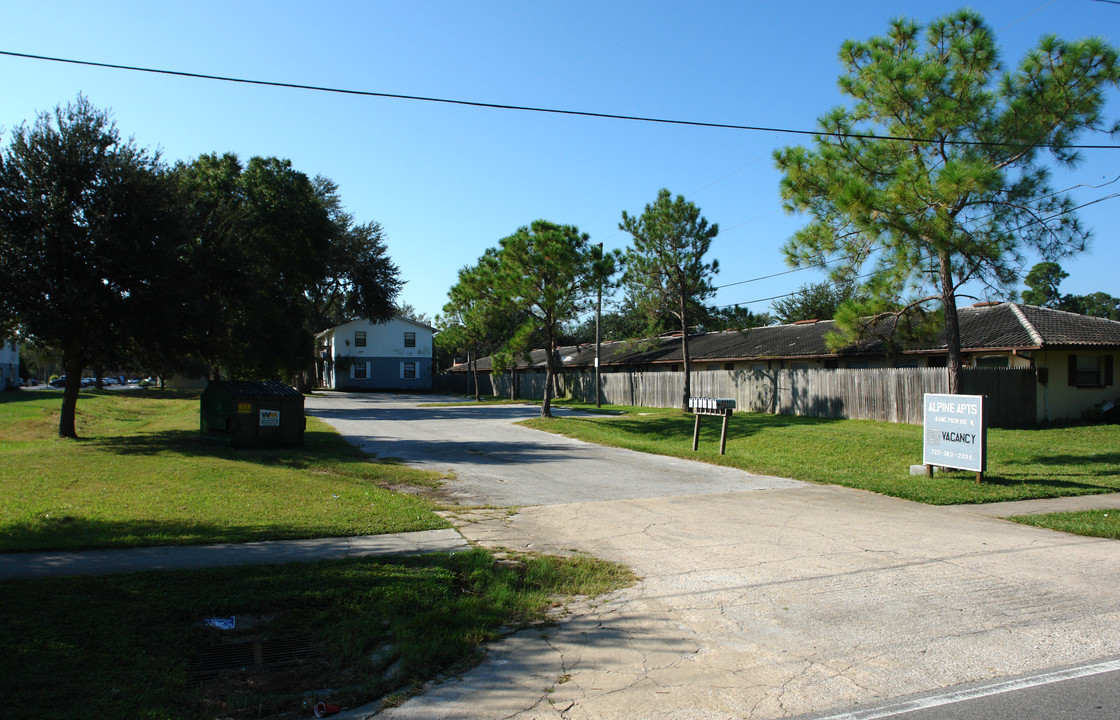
[955, 432]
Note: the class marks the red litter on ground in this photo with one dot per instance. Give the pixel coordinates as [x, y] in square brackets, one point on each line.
[324, 709]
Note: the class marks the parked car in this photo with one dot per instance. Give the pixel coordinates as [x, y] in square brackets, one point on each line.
[59, 382]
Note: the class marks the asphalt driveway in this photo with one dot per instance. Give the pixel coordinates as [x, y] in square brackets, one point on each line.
[759, 598]
[499, 463]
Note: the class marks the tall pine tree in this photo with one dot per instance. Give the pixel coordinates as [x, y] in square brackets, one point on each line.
[936, 173]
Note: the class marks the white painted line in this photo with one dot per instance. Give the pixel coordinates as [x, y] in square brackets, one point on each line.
[979, 692]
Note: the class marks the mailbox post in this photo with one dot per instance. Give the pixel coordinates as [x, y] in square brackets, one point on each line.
[711, 406]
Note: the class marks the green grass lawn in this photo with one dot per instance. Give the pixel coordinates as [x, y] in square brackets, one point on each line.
[141, 475]
[1093, 523]
[876, 456]
[122, 646]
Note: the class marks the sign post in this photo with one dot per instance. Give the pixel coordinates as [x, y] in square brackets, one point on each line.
[711, 406]
[955, 433]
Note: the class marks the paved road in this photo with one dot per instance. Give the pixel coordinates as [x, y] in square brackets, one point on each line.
[1087, 692]
[499, 463]
[764, 600]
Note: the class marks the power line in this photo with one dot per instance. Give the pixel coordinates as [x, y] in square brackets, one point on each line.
[1032, 12]
[1025, 225]
[527, 108]
[777, 274]
[778, 297]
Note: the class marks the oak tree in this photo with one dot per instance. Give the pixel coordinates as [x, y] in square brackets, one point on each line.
[89, 237]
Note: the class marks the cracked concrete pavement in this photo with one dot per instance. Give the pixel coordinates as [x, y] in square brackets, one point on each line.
[784, 600]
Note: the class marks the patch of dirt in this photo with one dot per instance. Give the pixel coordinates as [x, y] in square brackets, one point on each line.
[266, 692]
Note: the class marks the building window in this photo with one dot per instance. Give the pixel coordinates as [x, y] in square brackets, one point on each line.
[1089, 371]
[729, 366]
[360, 338]
[410, 339]
[359, 370]
[408, 370]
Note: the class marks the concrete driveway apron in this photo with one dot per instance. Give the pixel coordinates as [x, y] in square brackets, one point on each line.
[762, 599]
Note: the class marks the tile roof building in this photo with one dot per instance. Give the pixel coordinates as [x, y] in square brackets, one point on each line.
[1075, 355]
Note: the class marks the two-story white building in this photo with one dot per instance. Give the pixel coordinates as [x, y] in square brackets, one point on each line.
[9, 363]
[362, 355]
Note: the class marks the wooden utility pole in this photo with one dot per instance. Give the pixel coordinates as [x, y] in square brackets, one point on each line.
[598, 337]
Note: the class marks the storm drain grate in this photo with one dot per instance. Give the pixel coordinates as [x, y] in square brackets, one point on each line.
[251, 654]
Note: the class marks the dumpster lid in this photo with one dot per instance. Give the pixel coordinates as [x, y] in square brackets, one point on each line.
[254, 388]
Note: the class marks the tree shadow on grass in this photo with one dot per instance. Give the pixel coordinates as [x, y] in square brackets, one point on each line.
[1059, 487]
[1087, 465]
[15, 396]
[69, 533]
[319, 446]
[677, 426]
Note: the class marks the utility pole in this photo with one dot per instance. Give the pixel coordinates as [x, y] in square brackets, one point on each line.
[598, 338]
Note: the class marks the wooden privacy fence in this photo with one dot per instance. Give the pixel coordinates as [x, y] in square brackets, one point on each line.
[889, 394]
[462, 383]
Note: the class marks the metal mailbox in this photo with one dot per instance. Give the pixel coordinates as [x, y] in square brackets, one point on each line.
[711, 406]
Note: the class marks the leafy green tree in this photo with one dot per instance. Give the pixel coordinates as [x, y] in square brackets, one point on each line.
[1097, 304]
[623, 322]
[736, 318]
[549, 272]
[474, 318]
[265, 246]
[89, 237]
[935, 174]
[1042, 285]
[665, 269]
[360, 280]
[1043, 282]
[813, 301]
[411, 313]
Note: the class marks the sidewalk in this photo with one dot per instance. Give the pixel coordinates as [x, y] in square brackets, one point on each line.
[1106, 501]
[101, 562]
[178, 557]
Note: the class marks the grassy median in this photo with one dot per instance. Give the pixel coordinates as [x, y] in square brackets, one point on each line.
[135, 645]
[876, 456]
[1091, 523]
[346, 632]
[141, 475]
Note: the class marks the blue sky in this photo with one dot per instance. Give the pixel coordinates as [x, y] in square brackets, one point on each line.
[446, 181]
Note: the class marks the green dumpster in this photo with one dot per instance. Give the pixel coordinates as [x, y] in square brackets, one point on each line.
[252, 414]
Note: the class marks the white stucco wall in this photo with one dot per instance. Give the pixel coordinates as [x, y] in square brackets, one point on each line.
[1057, 400]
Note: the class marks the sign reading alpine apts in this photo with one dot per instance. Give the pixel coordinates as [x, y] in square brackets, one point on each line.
[955, 432]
